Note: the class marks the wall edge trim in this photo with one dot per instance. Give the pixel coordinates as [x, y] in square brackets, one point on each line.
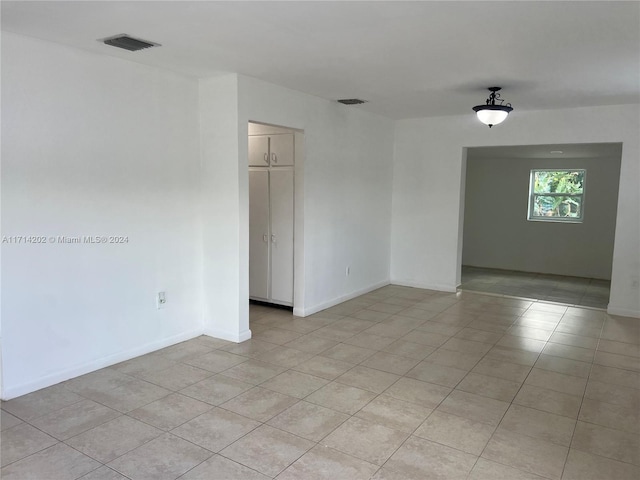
[623, 312]
[229, 336]
[88, 367]
[305, 312]
[440, 287]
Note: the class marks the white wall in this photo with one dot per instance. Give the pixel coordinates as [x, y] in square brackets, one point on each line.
[226, 310]
[346, 181]
[428, 190]
[94, 145]
[497, 233]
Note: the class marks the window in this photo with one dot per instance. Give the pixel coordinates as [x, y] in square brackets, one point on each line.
[557, 195]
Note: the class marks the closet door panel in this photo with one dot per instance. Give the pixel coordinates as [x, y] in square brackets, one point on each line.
[282, 236]
[281, 148]
[259, 151]
[259, 234]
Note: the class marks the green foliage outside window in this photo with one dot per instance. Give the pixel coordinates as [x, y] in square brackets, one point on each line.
[557, 194]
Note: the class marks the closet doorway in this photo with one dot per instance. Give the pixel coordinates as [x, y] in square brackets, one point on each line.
[273, 154]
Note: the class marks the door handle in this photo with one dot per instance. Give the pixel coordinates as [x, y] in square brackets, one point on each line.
[273, 238]
[266, 158]
[265, 238]
[274, 158]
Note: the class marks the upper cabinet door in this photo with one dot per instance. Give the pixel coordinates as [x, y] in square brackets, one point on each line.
[259, 151]
[281, 150]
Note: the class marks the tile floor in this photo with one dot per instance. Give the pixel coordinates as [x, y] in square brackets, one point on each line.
[587, 292]
[400, 383]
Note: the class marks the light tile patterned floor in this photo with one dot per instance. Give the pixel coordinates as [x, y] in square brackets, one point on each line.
[400, 383]
[587, 292]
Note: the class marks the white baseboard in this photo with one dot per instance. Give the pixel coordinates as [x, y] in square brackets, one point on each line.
[305, 312]
[623, 312]
[229, 336]
[440, 287]
[48, 380]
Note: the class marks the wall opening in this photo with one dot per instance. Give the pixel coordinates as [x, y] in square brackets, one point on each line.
[274, 163]
[503, 252]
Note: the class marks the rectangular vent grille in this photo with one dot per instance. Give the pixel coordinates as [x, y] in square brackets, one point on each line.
[129, 43]
[351, 101]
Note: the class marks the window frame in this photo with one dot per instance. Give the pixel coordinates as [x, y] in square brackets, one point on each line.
[532, 195]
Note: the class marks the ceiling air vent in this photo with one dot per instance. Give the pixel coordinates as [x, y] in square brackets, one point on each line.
[351, 101]
[128, 43]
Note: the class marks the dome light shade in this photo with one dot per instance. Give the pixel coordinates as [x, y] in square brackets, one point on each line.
[491, 117]
[490, 113]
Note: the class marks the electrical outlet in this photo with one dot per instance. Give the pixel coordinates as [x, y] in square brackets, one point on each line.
[348, 271]
[161, 300]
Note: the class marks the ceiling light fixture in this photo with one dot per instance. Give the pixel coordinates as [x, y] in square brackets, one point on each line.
[492, 114]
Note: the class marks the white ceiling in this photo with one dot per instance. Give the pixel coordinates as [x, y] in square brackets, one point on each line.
[408, 59]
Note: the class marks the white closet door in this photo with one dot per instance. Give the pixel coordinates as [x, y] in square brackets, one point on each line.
[281, 148]
[282, 236]
[259, 151]
[259, 234]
